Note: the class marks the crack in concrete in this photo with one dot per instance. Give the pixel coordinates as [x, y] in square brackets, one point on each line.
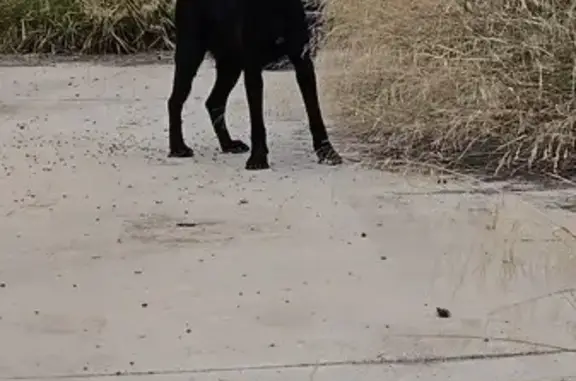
[511, 340]
[567, 291]
[424, 360]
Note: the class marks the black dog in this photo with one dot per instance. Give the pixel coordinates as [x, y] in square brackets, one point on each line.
[243, 36]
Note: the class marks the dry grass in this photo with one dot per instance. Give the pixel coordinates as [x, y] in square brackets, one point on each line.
[85, 26]
[485, 86]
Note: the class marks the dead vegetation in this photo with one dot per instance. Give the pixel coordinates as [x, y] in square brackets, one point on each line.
[483, 86]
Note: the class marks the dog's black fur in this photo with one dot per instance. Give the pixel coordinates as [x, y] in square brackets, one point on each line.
[243, 36]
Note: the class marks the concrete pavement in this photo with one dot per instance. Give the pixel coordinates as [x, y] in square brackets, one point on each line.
[116, 261]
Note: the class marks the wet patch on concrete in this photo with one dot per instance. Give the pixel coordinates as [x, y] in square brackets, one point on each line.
[167, 230]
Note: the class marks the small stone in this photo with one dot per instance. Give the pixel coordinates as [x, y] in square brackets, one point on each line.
[443, 313]
[144, 305]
